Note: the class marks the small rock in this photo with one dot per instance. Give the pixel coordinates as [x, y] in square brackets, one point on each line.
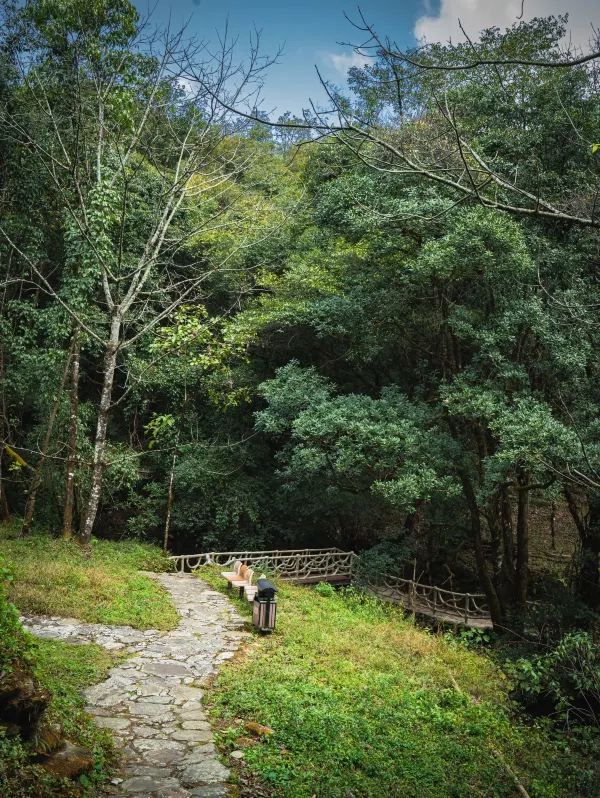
[168, 668]
[200, 753]
[192, 735]
[112, 723]
[196, 724]
[237, 754]
[147, 709]
[146, 784]
[214, 791]
[195, 714]
[69, 762]
[50, 738]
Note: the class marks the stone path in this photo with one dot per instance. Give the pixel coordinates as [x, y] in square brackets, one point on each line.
[152, 702]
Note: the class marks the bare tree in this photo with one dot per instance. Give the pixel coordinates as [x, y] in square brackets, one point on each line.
[71, 465]
[135, 149]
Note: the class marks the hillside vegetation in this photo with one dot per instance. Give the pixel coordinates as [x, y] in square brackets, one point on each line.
[357, 700]
[55, 577]
[41, 685]
[373, 328]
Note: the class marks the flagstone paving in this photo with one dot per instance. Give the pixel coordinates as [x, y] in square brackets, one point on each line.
[152, 701]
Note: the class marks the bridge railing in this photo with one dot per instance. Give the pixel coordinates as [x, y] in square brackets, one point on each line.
[334, 564]
[190, 562]
[304, 566]
[434, 600]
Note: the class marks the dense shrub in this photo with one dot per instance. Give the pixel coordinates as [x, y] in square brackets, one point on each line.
[566, 679]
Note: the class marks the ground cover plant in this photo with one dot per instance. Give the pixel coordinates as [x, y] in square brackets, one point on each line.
[60, 672]
[55, 577]
[363, 702]
[65, 670]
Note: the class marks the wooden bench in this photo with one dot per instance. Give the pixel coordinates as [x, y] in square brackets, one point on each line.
[235, 574]
[243, 580]
[251, 590]
[241, 577]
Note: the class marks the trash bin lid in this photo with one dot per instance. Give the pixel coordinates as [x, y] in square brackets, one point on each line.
[265, 588]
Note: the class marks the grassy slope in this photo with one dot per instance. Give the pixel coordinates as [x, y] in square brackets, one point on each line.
[66, 670]
[363, 703]
[53, 577]
[57, 578]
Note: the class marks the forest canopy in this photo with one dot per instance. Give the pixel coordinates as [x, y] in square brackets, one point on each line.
[375, 328]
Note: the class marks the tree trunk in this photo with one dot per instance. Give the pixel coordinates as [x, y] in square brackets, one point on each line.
[36, 480]
[522, 563]
[69, 504]
[4, 506]
[508, 562]
[482, 568]
[110, 362]
[169, 503]
[588, 575]
[553, 526]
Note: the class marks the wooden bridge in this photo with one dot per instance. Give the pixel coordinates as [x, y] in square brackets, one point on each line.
[310, 566]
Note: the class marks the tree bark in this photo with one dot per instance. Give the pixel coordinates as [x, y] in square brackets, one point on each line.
[169, 503]
[4, 506]
[553, 525]
[36, 480]
[522, 560]
[482, 567]
[69, 504]
[588, 575]
[110, 362]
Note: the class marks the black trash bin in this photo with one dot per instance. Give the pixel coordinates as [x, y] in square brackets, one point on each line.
[264, 608]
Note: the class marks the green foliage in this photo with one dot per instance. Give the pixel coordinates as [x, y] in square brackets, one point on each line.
[19, 778]
[324, 589]
[54, 577]
[354, 445]
[387, 557]
[65, 670]
[14, 643]
[568, 676]
[361, 700]
[473, 637]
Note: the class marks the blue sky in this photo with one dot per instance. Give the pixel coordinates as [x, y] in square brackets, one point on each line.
[311, 32]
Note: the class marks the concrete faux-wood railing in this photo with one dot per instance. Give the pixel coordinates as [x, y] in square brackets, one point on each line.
[303, 566]
[449, 606]
[309, 566]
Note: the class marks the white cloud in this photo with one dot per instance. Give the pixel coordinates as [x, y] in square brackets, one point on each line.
[476, 15]
[342, 62]
[189, 86]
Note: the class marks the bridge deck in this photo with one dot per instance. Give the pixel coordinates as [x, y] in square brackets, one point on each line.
[445, 616]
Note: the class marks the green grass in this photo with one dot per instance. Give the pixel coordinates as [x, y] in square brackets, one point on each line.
[364, 703]
[65, 670]
[55, 577]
